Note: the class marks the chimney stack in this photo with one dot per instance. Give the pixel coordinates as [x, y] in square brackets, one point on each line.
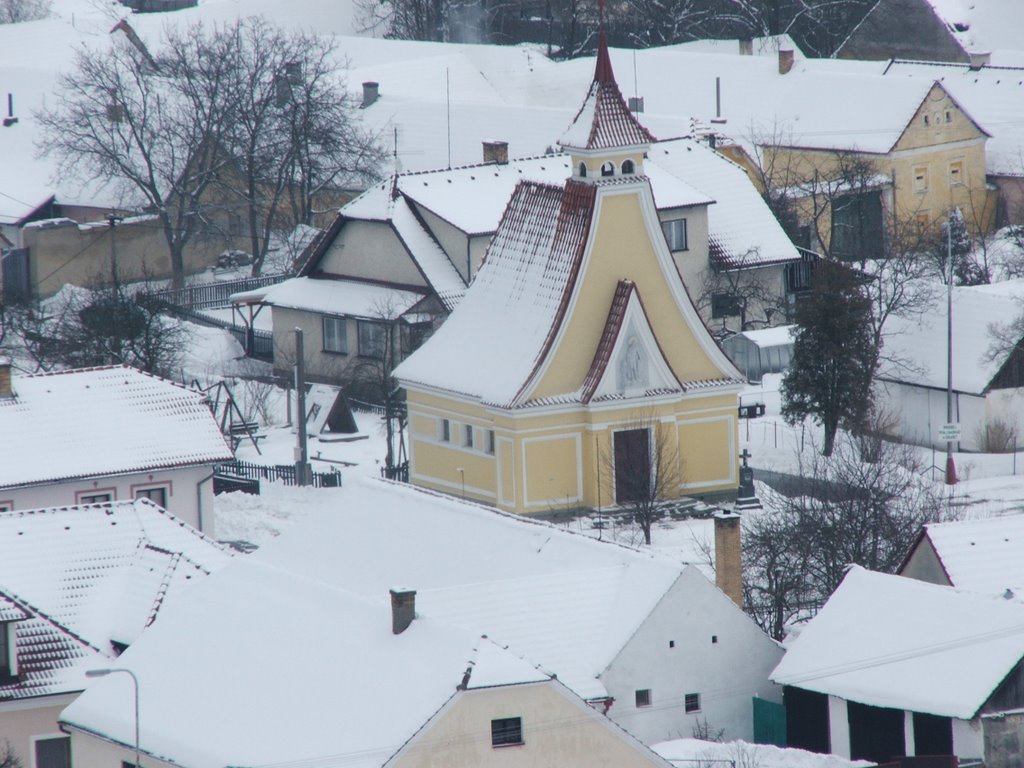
[979, 60]
[403, 609]
[496, 152]
[785, 60]
[728, 556]
[371, 92]
[6, 391]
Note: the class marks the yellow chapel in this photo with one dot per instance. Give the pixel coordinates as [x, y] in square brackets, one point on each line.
[576, 366]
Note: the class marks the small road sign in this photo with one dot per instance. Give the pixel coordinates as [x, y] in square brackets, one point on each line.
[949, 433]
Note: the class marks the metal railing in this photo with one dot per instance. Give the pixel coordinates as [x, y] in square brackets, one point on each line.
[284, 472]
[207, 295]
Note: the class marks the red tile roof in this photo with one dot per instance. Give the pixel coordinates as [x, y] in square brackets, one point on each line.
[604, 121]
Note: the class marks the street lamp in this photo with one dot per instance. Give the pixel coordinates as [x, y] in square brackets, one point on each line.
[135, 683]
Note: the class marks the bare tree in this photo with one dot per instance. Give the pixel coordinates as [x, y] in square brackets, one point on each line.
[219, 125]
[15, 11]
[79, 328]
[8, 757]
[644, 462]
[834, 512]
[152, 128]
[738, 289]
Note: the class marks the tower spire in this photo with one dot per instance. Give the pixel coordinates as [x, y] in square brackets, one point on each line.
[603, 70]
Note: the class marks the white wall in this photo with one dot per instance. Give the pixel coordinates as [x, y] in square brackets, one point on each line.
[22, 720]
[968, 738]
[727, 674]
[838, 727]
[186, 498]
[919, 412]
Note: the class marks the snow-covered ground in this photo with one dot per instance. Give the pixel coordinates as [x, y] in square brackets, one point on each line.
[694, 753]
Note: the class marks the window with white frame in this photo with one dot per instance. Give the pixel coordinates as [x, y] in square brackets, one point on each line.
[921, 178]
[642, 697]
[335, 339]
[444, 432]
[675, 234]
[490, 441]
[53, 752]
[467, 435]
[373, 339]
[157, 494]
[956, 173]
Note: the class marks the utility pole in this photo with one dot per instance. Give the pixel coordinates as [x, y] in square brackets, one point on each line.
[950, 465]
[301, 455]
[113, 220]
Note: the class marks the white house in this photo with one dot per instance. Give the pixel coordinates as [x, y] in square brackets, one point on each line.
[893, 666]
[78, 584]
[645, 638]
[107, 434]
[265, 666]
[984, 555]
[988, 392]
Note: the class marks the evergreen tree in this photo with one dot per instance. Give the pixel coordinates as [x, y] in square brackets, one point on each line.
[834, 355]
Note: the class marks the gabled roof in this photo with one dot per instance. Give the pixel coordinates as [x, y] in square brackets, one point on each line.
[310, 674]
[895, 642]
[982, 26]
[565, 601]
[96, 422]
[921, 341]
[981, 555]
[994, 96]
[86, 577]
[627, 323]
[354, 298]
[522, 290]
[604, 121]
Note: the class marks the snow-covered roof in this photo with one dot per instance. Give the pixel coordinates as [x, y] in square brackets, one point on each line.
[315, 655]
[353, 298]
[102, 421]
[994, 96]
[779, 336]
[919, 343]
[521, 290]
[982, 27]
[89, 576]
[895, 642]
[564, 601]
[603, 120]
[741, 228]
[982, 555]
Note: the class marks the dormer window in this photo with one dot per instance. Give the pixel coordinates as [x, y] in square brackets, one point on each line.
[608, 169]
[628, 167]
[583, 170]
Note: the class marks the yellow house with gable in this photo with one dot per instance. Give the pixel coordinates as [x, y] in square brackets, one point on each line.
[577, 348]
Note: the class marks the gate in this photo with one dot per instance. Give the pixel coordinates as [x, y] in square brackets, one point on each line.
[769, 722]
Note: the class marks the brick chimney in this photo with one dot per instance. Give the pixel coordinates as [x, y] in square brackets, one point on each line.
[403, 609]
[371, 92]
[785, 60]
[496, 152]
[6, 390]
[728, 556]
